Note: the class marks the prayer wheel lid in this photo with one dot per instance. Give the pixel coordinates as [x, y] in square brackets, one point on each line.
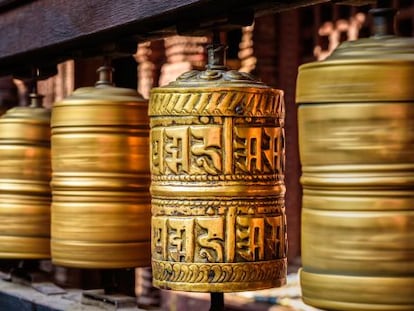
[387, 47]
[35, 111]
[215, 77]
[104, 92]
[29, 123]
[378, 68]
[28, 113]
[103, 104]
[207, 92]
[216, 73]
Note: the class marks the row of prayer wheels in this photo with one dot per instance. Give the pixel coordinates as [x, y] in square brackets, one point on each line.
[214, 144]
[76, 180]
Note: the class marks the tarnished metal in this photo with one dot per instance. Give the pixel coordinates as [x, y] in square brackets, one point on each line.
[100, 178]
[217, 165]
[356, 128]
[24, 182]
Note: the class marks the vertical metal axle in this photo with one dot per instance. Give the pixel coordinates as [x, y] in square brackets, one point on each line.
[217, 302]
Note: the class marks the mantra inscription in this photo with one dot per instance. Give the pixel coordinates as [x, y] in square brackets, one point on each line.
[218, 215]
[201, 150]
[220, 238]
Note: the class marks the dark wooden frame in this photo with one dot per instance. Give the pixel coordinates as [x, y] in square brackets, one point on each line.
[43, 32]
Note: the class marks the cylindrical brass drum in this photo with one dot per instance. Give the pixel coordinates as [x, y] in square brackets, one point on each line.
[100, 179]
[217, 165]
[24, 182]
[356, 128]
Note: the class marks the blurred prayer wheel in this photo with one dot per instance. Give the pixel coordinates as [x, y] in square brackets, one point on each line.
[356, 128]
[100, 178]
[24, 182]
[217, 165]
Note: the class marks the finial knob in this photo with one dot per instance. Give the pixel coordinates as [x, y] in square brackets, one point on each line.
[216, 56]
[105, 76]
[35, 100]
[383, 21]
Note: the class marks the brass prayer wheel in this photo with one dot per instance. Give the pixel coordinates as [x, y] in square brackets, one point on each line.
[100, 178]
[24, 182]
[217, 181]
[356, 129]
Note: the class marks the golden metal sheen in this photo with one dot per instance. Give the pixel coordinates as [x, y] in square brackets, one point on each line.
[24, 183]
[356, 129]
[352, 292]
[100, 180]
[365, 70]
[217, 164]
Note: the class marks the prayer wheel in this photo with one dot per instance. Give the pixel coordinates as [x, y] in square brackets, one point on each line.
[356, 135]
[24, 182]
[100, 178]
[217, 181]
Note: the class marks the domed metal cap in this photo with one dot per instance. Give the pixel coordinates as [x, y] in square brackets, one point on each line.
[379, 68]
[216, 91]
[84, 106]
[31, 123]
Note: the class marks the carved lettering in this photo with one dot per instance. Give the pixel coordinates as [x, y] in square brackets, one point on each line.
[250, 238]
[258, 149]
[185, 149]
[177, 149]
[159, 237]
[207, 151]
[247, 149]
[181, 239]
[272, 149]
[156, 150]
[212, 239]
[275, 237]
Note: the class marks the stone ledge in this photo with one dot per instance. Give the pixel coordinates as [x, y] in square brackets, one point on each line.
[16, 297]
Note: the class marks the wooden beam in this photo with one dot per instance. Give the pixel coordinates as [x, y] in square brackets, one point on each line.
[44, 32]
[8, 4]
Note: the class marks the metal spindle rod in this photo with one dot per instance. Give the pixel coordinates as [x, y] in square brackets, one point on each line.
[217, 302]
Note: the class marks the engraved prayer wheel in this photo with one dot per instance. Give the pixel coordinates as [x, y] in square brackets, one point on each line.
[24, 182]
[100, 178]
[217, 169]
[356, 129]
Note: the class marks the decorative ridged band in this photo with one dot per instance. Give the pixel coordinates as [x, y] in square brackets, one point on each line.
[217, 102]
[219, 276]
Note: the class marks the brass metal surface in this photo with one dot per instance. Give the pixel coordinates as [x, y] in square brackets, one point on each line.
[356, 137]
[100, 179]
[217, 165]
[361, 243]
[357, 292]
[374, 69]
[24, 183]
